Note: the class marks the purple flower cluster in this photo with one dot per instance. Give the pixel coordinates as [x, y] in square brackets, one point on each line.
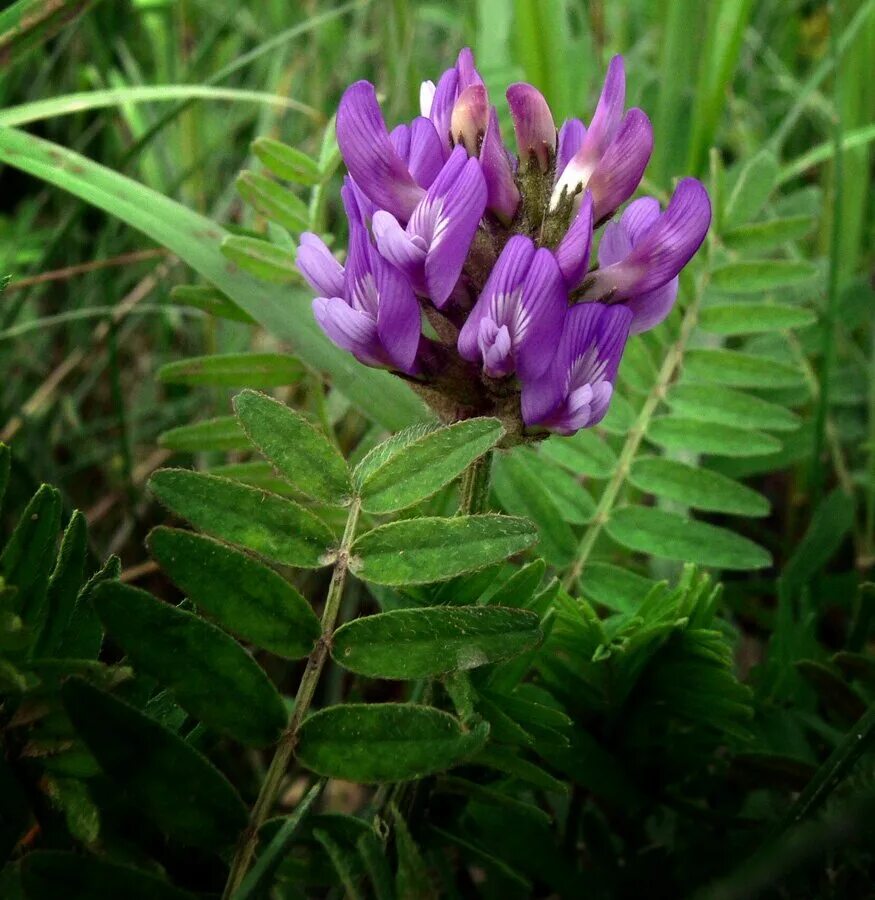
[492, 249]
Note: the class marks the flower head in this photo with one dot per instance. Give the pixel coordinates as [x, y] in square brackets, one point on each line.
[495, 248]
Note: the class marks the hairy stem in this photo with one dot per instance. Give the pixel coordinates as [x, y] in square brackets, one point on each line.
[474, 489]
[285, 750]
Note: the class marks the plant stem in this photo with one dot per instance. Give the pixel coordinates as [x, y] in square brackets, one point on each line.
[474, 489]
[285, 750]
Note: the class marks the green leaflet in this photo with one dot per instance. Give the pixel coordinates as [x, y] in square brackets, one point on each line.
[419, 643]
[242, 595]
[670, 536]
[273, 201]
[380, 454]
[754, 183]
[585, 453]
[64, 585]
[752, 318]
[208, 299]
[618, 589]
[385, 742]
[300, 453]
[50, 874]
[696, 486]
[725, 406]
[419, 551]
[234, 370]
[755, 276]
[768, 234]
[736, 369]
[28, 557]
[423, 466]
[677, 433]
[219, 434]
[149, 763]
[271, 526]
[266, 261]
[286, 162]
[211, 676]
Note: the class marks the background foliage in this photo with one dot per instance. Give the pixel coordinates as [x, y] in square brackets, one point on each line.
[546, 700]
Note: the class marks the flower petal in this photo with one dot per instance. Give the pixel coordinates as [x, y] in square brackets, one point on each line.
[638, 216]
[615, 244]
[571, 136]
[503, 196]
[608, 113]
[599, 136]
[369, 155]
[545, 302]
[664, 249]
[620, 169]
[461, 208]
[426, 155]
[399, 321]
[426, 97]
[349, 329]
[651, 308]
[318, 266]
[507, 276]
[572, 254]
[396, 245]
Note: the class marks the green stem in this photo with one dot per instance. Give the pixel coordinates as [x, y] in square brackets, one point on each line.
[285, 750]
[474, 490]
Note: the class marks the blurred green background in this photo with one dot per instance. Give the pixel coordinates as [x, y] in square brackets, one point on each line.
[85, 320]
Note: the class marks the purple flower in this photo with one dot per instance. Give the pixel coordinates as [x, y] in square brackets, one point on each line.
[373, 161]
[432, 250]
[533, 124]
[376, 316]
[516, 321]
[641, 256]
[612, 153]
[576, 389]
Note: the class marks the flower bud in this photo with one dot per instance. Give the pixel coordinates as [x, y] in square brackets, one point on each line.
[533, 124]
[470, 118]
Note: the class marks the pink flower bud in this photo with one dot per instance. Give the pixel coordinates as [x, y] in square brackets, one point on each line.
[470, 118]
[533, 124]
